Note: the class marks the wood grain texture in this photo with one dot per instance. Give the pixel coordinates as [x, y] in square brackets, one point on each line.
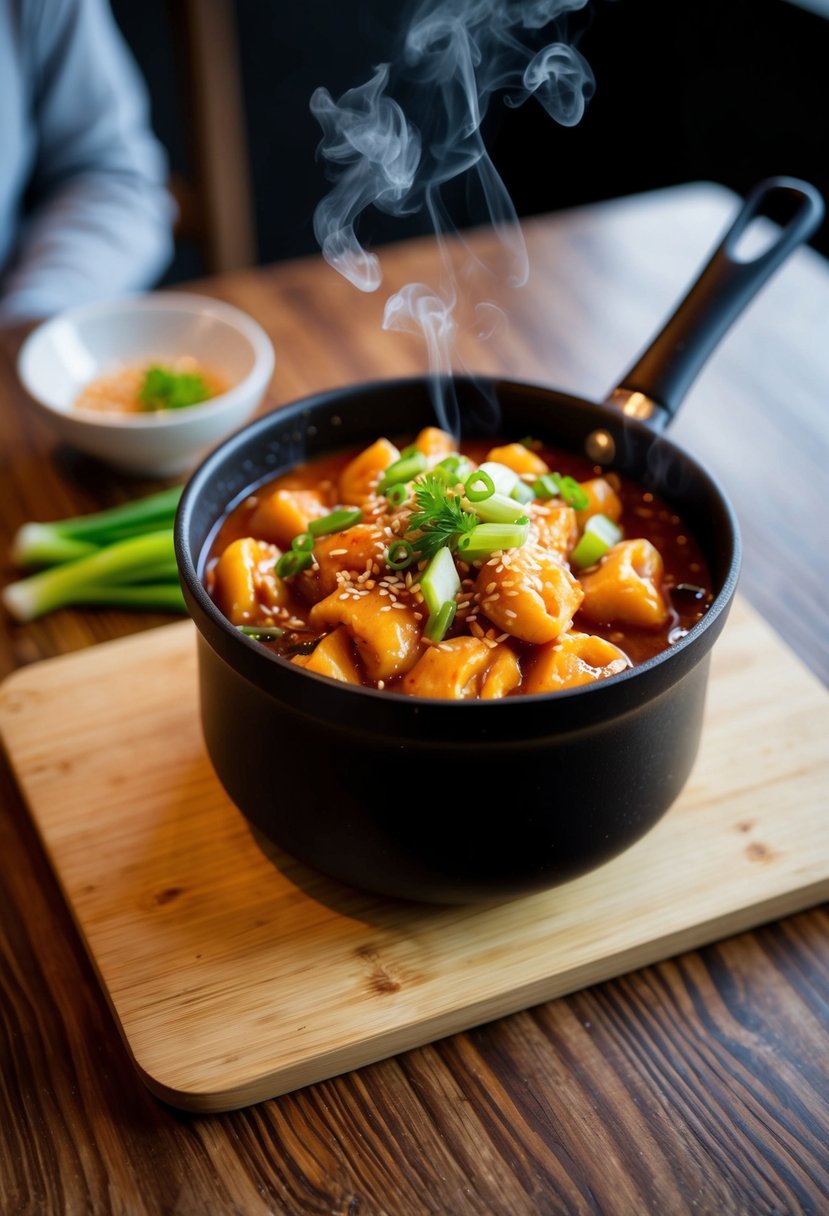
[694, 1086]
[237, 974]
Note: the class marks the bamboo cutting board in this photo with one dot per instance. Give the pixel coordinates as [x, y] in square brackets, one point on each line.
[235, 975]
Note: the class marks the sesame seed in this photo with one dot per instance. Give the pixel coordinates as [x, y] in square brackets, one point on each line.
[509, 612]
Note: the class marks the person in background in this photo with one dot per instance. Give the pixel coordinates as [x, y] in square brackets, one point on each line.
[84, 210]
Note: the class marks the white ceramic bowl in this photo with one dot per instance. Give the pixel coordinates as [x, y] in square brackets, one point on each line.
[65, 353]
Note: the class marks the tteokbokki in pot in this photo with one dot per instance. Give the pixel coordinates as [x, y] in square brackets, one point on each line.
[480, 571]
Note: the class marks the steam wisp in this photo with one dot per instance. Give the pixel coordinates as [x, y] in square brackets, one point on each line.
[397, 155]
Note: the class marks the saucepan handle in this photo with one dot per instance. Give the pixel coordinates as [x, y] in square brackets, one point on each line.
[656, 384]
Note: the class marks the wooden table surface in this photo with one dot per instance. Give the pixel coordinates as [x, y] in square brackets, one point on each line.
[697, 1085]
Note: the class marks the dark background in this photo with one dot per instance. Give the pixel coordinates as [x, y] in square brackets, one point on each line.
[729, 91]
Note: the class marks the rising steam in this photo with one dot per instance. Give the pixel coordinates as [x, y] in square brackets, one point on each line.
[396, 157]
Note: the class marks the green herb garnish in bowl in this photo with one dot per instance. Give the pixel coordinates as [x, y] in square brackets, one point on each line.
[163, 389]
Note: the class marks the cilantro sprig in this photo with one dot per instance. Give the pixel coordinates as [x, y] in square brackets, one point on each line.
[440, 520]
[162, 389]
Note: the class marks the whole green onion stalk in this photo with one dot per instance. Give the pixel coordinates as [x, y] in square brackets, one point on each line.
[37, 544]
[122, 557]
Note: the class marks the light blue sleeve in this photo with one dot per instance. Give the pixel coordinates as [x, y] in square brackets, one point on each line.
[100, 221]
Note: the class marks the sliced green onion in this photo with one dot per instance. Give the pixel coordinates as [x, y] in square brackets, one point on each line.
[522, 492]
[438, 624]
[262, 633]
[457, 464]
[445, 475]
[404, 469]
[397, 495]
[439, 582]
[503, 477]
[479, 486]
[557, 485]
[293, 562]
[486, 539]
[337, 521]
[573, 494]
[496, 509]
[409, 451]
[600, 534]
[304, 543]
[400, 554]
[546, 486]
[528, 441]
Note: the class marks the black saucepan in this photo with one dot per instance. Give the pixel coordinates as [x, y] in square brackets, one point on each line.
[476, 800]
